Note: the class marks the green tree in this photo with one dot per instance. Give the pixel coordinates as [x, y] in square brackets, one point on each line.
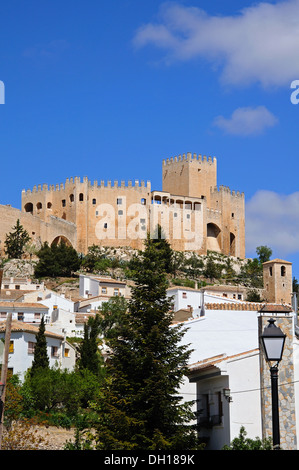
[40, 359]
[57, 260]
[244, 443]
[264, 253]
[139, 407]
[16, 241]
[89, 355]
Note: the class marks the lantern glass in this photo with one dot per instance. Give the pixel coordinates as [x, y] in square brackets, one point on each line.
[273, 341]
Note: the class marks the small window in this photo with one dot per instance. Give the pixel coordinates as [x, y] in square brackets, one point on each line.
[63, 202]
[67, 352]
[233, 215]
[143, 201]
[20, 316]
[283, 271]
[36, 316]
[94, 201]
[104, 290]
[31, 347]
[184, 295]
[3, 314]
[17, 287]
[175, 214]
[270, 271]
[142, 221]
[39, 206]
[120, 212]
[54, 351]
[105, 225]
[72, 198]
[116, 291]
[11, 347]
[81, 197]
[188, 216]
[49, 205]
[97, 213]
[119, 201]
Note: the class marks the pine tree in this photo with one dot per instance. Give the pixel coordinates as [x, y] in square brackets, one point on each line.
[139, 406]
[90, 357]
[40, 359]
[16, 241]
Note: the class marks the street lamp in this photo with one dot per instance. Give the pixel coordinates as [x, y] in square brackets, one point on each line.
[273, 340]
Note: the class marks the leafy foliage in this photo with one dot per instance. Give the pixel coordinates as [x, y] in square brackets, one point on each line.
[57, 260]
[244, 443]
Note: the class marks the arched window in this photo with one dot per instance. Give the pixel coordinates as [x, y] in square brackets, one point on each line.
[39, 206]
[283, 270]
[94, 201]
[28, 207]
[81, 197]
[71, 198]
[49, 205]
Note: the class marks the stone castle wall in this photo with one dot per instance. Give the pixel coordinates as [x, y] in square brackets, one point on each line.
[194, 213]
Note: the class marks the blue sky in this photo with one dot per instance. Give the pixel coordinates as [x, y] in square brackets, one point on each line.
[107, 89]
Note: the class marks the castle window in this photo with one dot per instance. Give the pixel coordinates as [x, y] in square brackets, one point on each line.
[105, 225]
[39, 205]
[97, 212]
[270, 270]
[188, 216]
[119, 201]
[143, 201]
[283, 270]
[94, 201]
[81, 197]
[28, 207]
[72, 198]
[63, 202]
[120, 212]
[233, 215]
[49, 205]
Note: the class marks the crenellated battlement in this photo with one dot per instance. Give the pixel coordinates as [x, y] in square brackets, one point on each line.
[189, 157]
[226, 189]
[95, 185]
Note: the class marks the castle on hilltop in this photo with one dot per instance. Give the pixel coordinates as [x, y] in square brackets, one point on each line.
[194, 213]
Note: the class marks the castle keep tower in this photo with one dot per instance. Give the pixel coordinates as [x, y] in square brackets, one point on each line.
[190, 175]
[194, 213]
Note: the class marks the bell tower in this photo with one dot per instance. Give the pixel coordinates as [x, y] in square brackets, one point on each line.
[277, 275]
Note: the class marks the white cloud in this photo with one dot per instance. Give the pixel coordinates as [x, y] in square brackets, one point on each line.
[247, 121]
[272, 219]
[258, 44]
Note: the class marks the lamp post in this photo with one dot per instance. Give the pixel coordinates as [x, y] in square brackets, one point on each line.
[273, 340]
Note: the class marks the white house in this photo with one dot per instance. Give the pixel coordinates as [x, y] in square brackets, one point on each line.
[95, 286]
[193, 300]
[228, 373]
[28, 312]
[22, 344]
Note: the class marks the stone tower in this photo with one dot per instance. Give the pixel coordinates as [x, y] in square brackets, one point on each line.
[190, 175]
[277, 275]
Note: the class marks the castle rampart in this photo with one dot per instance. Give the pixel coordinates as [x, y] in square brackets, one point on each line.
[195, 214]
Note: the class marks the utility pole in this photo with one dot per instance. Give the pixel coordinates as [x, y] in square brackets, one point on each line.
[4, 364]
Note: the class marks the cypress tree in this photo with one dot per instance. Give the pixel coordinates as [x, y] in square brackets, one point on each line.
[40, 360]
[139, 406]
